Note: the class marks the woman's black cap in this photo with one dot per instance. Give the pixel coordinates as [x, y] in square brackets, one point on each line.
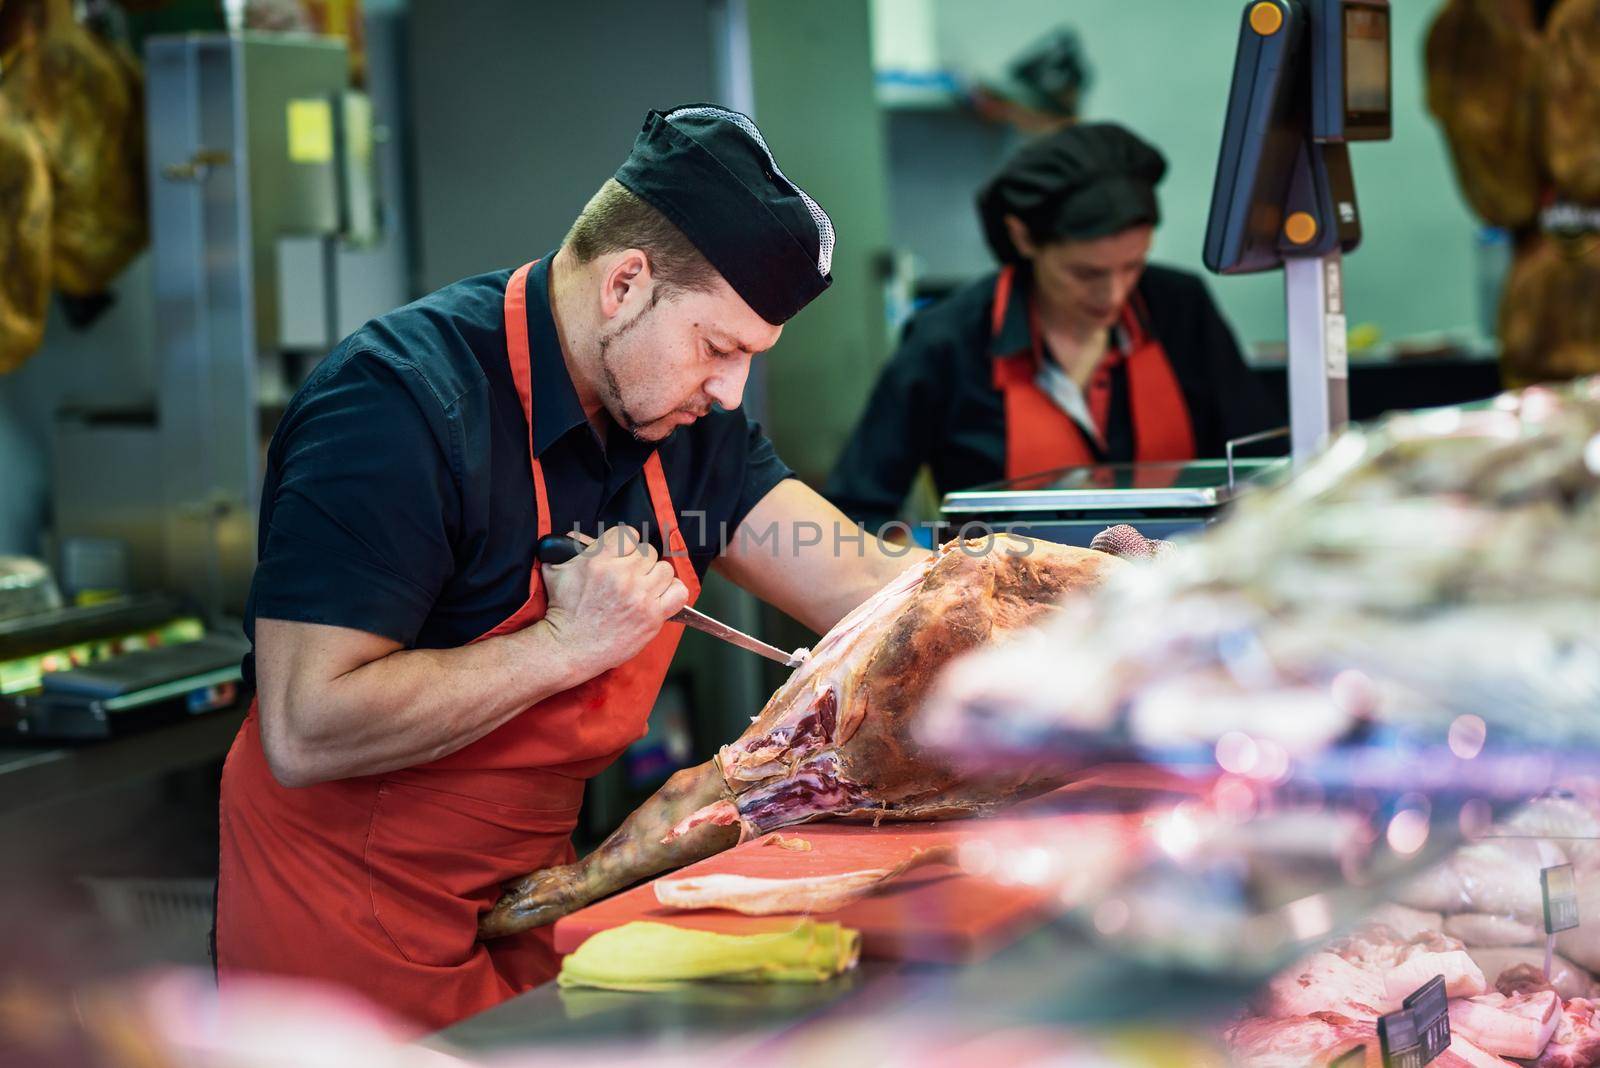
[1078, 183]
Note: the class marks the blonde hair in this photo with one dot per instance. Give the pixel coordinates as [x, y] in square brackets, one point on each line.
[616, 219]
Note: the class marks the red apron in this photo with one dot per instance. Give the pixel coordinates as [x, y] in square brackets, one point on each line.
[1042, 437]
[377, 882]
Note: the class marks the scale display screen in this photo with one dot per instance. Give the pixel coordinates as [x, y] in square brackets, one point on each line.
[1366, 71]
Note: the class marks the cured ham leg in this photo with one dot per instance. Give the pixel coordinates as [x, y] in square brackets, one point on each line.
[837, 739]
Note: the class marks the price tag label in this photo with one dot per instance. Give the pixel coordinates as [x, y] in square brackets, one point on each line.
[1397, 1038]
[1560, 888]
[1418, 1032]
[1430, 1015]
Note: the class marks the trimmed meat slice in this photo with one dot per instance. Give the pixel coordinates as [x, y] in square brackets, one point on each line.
[1462, 978]
[755, 896]
[1464, 1053]
[1518, 1026]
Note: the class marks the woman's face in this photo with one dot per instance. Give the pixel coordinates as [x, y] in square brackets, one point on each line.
[1088, 281]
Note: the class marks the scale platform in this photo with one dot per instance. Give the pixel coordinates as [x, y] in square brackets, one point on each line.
[1073, 504]
[130, 691]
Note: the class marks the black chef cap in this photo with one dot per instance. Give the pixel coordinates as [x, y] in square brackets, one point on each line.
[1079, 183]
[709, 170]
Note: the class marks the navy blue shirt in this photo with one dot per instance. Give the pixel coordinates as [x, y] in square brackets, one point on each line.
[398, 498]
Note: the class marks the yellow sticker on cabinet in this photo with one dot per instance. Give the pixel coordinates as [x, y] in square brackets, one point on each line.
[310, 131]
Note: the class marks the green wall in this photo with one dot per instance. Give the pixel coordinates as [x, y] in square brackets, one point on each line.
[812, 69]
[1162, 67]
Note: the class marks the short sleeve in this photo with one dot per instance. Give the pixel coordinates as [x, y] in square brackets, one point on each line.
[362, 501]
[763, 470]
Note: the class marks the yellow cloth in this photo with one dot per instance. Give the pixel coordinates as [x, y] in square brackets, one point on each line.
[659, 956]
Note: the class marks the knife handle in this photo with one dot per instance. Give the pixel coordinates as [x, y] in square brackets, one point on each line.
[557, 549]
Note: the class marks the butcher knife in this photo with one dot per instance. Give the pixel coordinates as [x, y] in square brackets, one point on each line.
[559, 548]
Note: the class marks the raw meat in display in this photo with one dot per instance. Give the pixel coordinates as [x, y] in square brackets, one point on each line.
[1523, 979]
[1498, 963]
[1377, 947]
[1571, 818]
[1518, 1026]
[1324, 982]
[1462, 978]
[1404, 964]
[1322, 1006]
[836, 739]
[1314, 608]
[1500, 877]
[1316, 1039]
[1483, 929]
[1464, 1053]
[1576, 1043]
[1299, 1041]
[1406, 922]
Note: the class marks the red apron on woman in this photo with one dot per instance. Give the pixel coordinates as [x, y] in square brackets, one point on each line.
[377, 882]
[1042, 437]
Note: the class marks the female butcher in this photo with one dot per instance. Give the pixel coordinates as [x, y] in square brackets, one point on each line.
[430, 699]
[1074, 353]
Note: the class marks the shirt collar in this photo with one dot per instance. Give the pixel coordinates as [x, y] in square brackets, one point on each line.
[1016, 333]
[556, 409]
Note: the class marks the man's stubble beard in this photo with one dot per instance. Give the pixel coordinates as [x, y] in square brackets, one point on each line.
[608, 377]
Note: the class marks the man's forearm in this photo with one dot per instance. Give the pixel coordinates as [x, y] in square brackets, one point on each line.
[879, 564]
[412, 706]
[802, 555]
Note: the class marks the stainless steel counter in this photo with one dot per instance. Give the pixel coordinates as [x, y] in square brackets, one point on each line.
[35, 774]
[1050, 976]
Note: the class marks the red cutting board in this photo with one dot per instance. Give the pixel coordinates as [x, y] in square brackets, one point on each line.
[1013, 873]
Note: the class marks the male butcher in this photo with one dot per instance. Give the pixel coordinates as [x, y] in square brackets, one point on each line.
[430, 700]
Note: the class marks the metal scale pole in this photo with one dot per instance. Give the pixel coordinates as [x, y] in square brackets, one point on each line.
[1319, 364]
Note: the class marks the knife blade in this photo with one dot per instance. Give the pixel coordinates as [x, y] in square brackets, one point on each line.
[717, 629]
[559, 548]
